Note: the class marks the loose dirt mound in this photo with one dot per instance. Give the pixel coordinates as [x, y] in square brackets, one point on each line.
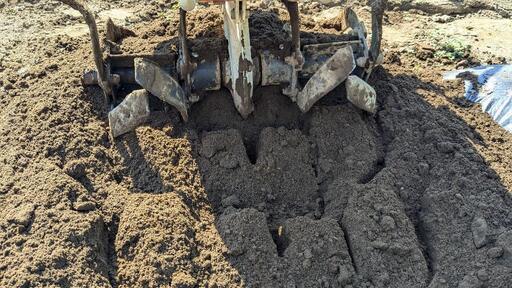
[414, 196]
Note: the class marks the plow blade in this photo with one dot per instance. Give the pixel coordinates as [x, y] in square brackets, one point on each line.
[361, 94]
[326, 78]
[133, 111]
[160, 83]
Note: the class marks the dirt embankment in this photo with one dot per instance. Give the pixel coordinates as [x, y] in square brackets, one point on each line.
[414, 196]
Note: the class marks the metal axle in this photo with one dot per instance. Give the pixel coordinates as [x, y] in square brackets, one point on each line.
[210, 72]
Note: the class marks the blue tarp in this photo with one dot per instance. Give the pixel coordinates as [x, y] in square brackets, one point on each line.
[490, 86]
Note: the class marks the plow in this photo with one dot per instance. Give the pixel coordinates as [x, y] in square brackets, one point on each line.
[306, 73]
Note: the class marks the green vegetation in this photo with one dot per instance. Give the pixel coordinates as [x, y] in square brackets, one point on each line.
[449, 47]
[452, 49]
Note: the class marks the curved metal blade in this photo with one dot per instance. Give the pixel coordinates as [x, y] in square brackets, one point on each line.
[357, 26]
[159, 83]
[351, 19]
[133, 111]
[330, 75]
[361, 94]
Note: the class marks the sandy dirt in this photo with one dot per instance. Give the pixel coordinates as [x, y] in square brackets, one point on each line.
[417, 195]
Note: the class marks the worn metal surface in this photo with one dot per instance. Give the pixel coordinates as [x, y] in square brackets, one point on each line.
[295, 60]
[236, 31]
[330, 75]
[378, 7]
[207, 75]
[269, 68]
[316, 55]
[274, 70]
[325, 65]
[359, 29]
[361, 94]
[159, 83]
[132, 112]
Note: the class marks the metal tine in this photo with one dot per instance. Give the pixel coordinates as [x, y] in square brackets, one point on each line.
[129, 114]
[88, 16]
[325, 79]
[161, 84]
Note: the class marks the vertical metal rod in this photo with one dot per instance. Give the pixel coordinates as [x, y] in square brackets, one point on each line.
[81, 7]
[295, 59]
[185, 62]
[293, 9]
[378, 7]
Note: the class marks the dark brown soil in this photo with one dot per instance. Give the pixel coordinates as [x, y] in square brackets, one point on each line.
[417, 195]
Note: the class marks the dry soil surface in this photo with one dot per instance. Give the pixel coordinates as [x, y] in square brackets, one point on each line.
[417, 195]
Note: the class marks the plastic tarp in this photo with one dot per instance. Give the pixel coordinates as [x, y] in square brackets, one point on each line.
[490, 86]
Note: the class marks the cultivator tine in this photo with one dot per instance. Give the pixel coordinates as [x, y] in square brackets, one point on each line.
[181, 78]
[325, 79]
[133, 111]
[159, 83]
[241, 66]
[351, 19]
[296, 59]
[376, 58]
[358, 27]
[378, 7]
[103, 81]
[185, 66]
[361, 94]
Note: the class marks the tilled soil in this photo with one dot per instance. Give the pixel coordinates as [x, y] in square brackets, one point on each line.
[417, 195]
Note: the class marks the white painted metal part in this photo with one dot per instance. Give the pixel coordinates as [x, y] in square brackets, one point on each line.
[187, 5]
[236, 31]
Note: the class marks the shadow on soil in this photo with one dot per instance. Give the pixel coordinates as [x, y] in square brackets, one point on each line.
[405, 126]
[399, 108]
